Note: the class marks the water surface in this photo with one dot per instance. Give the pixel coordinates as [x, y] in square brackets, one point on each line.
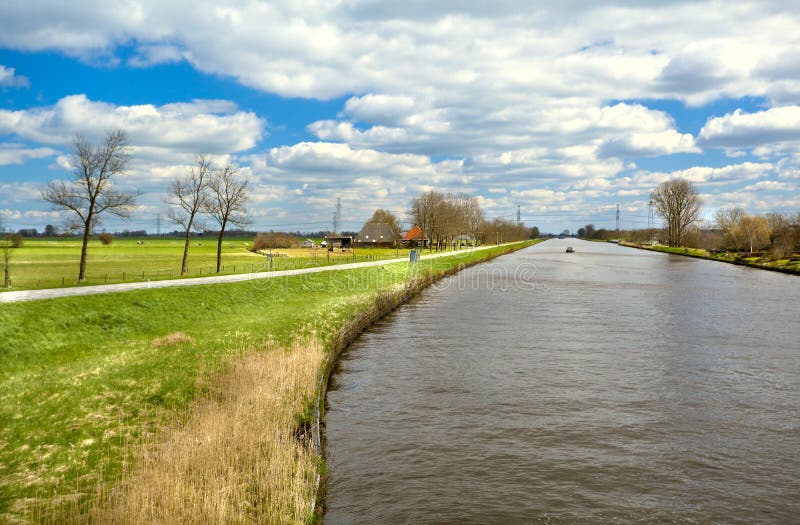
[611, 385]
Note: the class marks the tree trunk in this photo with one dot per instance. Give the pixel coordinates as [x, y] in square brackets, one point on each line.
[7, 280]
[219, 247]
[185, 262]
[86, 233]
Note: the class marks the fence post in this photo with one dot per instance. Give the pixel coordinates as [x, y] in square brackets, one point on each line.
[123, 276]
[106, 278]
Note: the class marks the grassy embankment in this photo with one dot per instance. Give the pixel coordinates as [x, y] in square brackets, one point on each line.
[188, 404]
[51, 263]
[787, 265]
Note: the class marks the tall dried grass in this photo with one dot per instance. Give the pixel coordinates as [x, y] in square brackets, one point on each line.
[242, 456]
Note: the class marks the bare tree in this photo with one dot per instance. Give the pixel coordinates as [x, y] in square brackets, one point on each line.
[472, 215]
[781, 234]
[91, 194]
[386, 217]
[679, 204]
[188, 196]
[8, 246]
[728, 221]
[226, 203]
[425, 213]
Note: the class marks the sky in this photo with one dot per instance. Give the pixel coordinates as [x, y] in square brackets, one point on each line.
[566, 109]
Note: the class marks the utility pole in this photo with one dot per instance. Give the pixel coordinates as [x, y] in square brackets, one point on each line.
[519, 221]
[651, 220]
[337, 215]
[617, 222]
[158, 225]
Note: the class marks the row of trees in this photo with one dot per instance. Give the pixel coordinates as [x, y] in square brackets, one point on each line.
[445, 216]
[205, 191]
[678, 202]
[744, 232]
[218, 193]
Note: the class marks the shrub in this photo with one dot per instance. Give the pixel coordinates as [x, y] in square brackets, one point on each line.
[272, 240]
[106, 238]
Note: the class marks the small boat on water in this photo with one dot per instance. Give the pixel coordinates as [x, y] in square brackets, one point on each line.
[570, 249]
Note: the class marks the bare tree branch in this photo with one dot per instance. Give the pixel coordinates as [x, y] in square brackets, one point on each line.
[679, 204]
[90, 194]
[189, 197]
[227, 200]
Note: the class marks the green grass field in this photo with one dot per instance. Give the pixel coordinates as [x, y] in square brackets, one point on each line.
[52, 263]
[83, 381]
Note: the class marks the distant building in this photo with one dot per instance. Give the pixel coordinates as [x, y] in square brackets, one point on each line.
[415, 237]
[338, 241]
[378, 235]
[308, 243]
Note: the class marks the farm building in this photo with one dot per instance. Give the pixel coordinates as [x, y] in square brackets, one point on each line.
[377, 234]
[308, 243]
[338, 241]
[415, 237]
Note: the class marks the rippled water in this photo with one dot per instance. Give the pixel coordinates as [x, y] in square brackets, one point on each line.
[609, 385]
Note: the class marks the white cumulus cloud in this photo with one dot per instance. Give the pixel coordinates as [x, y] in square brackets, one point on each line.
[9, 78]
[210, 126]
[742, 130]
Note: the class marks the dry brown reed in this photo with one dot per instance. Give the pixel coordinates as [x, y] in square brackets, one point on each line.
[242, 455]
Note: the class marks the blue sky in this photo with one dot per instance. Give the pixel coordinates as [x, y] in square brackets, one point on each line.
[562, 109]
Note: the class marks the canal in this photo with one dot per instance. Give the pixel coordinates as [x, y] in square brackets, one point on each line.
[609, 385]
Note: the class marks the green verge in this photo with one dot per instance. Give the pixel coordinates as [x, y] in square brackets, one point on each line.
[790, 265]
[82, 385]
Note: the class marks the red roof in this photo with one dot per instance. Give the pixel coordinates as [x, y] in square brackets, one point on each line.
[415, 234]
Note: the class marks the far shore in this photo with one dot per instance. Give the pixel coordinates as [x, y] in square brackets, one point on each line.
[790, 265]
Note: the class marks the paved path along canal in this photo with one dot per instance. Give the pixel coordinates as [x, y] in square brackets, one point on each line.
[52, 293]
[611, 385]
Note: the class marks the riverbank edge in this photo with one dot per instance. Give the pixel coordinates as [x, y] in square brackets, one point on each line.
[384, 302]
[707, 258]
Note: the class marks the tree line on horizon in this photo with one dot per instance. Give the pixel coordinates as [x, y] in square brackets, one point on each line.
[680, 205]
[220, 193]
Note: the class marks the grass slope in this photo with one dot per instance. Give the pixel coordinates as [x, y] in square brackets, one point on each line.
[788, 265]
[85, 381]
